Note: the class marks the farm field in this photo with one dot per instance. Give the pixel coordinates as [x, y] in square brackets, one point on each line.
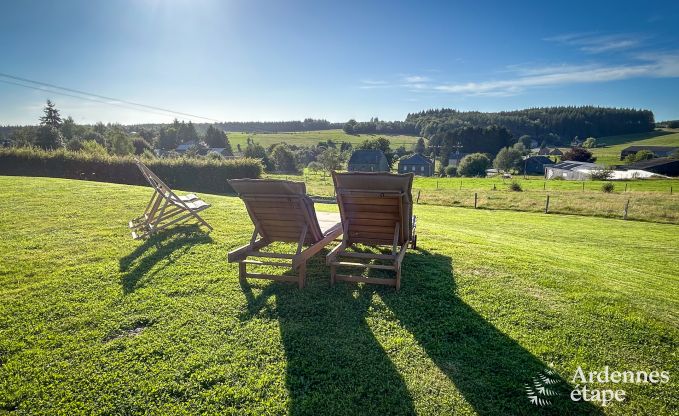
[610, 155]
[307, 138]
[93, 322]
[650, 200]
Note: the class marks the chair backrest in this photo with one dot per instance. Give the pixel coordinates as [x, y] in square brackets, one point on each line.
[153, 180]
[279, 209]
[372, 203]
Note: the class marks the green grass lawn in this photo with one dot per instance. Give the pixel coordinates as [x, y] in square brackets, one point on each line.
[610, 155]
[93, 322]
[307, 138]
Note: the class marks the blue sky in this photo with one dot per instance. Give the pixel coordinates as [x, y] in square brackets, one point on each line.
[275, 60]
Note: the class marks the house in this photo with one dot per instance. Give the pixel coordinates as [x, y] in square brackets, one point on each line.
[455, 157]
[368, 161]
[658, 151]
[661, 166]
[571, 170]
[550, 151]
[417, 164]
[184, 147]
[536, 164]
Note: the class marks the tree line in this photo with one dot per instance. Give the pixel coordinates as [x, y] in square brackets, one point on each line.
[553, 125]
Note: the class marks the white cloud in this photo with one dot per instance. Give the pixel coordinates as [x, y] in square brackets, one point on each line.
[596, 43]
[415, 79]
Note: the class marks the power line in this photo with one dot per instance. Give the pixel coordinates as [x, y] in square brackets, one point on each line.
[80, 97]
[103, 97]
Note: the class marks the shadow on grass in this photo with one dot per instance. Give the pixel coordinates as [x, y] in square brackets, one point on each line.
[165, 245]
[487, 367]
[335, 365]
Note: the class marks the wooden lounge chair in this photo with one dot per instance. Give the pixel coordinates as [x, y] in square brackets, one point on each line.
[165, 208]
[376, 210]
[282, 212]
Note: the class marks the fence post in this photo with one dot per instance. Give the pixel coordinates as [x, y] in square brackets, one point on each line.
[418, 196]
[437, 184]
[460, 184]
[625, 186]
[670, 190]
[583, 187]
[476, 198]
[547, 205]
[544, 186]
[624, 215]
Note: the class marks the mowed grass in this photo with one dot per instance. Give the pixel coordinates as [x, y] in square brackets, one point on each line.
[310, 138]
[93, 322]
[610, 155]
[654, 200]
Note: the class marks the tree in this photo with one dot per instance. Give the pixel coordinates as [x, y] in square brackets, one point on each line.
[283, 159]
[639, 156]
[420, 146]
[120, 143]
[140, 145]
[349, 126]
[51, 117]
[186, 132]
[578, 154]
[331, 159]
[217, 138]
[474, 164]
[49, 137]
[69, 129]
[168, 138]
[589, 143]
[508, 159]
[526, 140]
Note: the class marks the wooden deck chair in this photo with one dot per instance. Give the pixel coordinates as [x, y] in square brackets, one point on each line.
[376, 210]
[282, 212]
[165, 208]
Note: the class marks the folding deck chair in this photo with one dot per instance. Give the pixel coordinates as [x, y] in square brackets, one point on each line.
[165, 207]
[376, 210]
[282, 212]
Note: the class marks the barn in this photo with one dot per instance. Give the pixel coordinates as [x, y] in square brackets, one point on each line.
[417, 164]
[368, 161]
[536, 164]
[661, 166]
[571, 170]
[658, 151]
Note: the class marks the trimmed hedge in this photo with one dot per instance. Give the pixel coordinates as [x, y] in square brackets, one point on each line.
[199, 175]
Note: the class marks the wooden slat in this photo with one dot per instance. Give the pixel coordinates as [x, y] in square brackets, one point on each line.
[280, 278]
[273, 210]
[375, 222]
[274, 204]
[368, 255]
[278, 216]
[354, 215]
[374, 280]
[267, 263]
[374, 229]
[371, 200]
[372, 241]
[365, 266]
[271, 255]
[390, 209]
[372, 235]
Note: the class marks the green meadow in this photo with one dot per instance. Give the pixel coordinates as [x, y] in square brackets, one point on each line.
[93, 322]
[309, 138]
[610, 154]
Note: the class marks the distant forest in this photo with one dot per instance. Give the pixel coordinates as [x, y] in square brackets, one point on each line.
[554, 125]
[308, 124]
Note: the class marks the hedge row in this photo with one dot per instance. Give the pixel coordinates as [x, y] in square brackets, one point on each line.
[197, 175]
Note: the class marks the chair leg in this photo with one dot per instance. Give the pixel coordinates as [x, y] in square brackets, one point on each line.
[241, 272]
[302, 275]
[398, 278]
[332, 275]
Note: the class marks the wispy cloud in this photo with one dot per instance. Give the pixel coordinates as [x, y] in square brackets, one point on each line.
[524, 77]
[597, 43]
[415, 79]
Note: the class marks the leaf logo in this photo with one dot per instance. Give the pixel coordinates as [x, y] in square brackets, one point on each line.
[539, 391]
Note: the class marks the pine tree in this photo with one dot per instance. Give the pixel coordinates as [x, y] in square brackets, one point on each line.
[51, 117]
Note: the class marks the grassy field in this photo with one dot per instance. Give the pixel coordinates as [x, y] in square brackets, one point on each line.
[610, 155]
[650, 200]
[92, 322]
[312, 137]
